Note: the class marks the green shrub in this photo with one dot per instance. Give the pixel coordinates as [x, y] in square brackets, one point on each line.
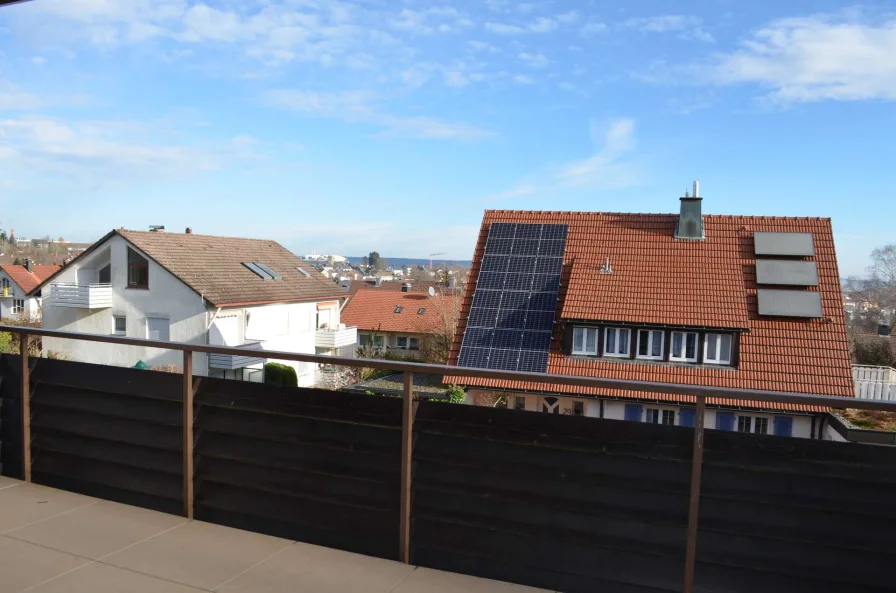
[874, 353]
[280, 375]
[456, 394]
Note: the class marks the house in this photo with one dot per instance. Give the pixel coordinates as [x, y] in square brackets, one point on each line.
[18, 297]
[744, 302]
[196, 289]
[421, 286]
[399, 322]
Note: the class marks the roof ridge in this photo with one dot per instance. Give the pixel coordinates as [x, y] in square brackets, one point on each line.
[167, 234]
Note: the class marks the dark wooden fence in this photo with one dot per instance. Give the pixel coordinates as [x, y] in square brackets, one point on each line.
[560, 502]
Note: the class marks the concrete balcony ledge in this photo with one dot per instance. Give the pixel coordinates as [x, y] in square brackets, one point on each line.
[336, 337]
[80, 296]
[53, 541]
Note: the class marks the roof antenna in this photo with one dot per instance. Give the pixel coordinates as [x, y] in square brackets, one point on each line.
[686, 194]
[606, 268]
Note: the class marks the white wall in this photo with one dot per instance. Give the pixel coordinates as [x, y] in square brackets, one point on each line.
[167, 297]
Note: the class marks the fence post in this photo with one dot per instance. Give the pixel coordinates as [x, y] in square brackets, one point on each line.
[407, 443]
[25, 387]
[188, 433]
[696, 470]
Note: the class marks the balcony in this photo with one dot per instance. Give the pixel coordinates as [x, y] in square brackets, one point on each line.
[237, 361]
[81, 296]
[336, 337]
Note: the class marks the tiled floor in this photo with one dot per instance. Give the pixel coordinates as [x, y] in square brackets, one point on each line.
[52, 541]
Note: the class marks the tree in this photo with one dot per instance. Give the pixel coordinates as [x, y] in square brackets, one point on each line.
[374, 261]
[435, 346]
[18, 262]
[874, 296]
[364, 262]
[331, 261]
[876, 352]
[3, 238]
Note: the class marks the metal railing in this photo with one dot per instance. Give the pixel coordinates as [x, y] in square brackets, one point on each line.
[82, 296]
[191, 384]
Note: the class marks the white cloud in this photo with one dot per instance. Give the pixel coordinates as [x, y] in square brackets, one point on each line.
[424, 22]
[504, 29]
[516, 192]
[359, 107]
[456, 78]
[534, 60]
[664, 23]
[13, 99]
[543, 25]
[38, 60]
[816, 58]
[523, 79]
[608, 167]
[482, 46]
[568, 17]
[593, 28]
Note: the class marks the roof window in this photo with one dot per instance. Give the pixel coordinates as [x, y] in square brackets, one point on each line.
[399, 308]
[262, 271]
[421, 310]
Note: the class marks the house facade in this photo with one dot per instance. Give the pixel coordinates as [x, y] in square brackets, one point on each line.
[19, 298]
[399, 322]
[720, 301]
[196, 289]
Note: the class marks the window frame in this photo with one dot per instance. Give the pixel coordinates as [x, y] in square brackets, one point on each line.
[716, 358]
[651, 333]
[744, 422]
[667, 415]
[18, 306]
[136, 266]
[115, 330]
[413, 343]
[519, 402]
[398, 341]
[585, 332]
[617, 332]
[652, 416]
[684, 346]
[578, 407]
[755, 422]
[167, 328]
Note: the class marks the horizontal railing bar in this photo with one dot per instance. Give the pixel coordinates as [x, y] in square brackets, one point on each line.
[439, 369]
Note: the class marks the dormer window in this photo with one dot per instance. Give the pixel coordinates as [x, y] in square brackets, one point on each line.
[617, 341]
[684, 347]
[717, 349]
[650, 344]
[584, 341]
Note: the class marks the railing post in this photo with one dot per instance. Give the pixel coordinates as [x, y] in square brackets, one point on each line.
[696, 472]
[25, 387]
[188, 433]
[407, 443]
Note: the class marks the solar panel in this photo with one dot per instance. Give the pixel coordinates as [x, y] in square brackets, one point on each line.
[258, 271]
[515, 299]
[789, 303]
[793, 273]
[789, 244]
[269, 271]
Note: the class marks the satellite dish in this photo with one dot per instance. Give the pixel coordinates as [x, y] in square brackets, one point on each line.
[432, 291]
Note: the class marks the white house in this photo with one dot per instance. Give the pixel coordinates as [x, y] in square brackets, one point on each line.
[196, 289]
[18, 297]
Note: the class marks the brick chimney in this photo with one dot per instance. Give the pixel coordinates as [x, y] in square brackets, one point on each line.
[689, 225]
[189, 231]
[28, 265]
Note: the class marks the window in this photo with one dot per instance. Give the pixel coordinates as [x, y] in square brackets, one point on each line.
[401, 342]
[105, 274]
[262, 271]
[616, 342]
[578, 408]
[652, 416]
[669, 417]
[363, 340]
[744, 423]
[421, 310]
[761, 426]
[650, 344]
[413, 343]
[4, 283]
[754, 424]
[519, 402]
[684, 347]
[119, 325]
[584, 340]
[157, 328]
[377, 341]
[304, 272]
[717, 349]
[399, 308]
[138, 270]
[18, 305]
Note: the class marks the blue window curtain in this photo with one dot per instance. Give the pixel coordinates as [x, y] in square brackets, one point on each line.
[688, 417]
[783, 426]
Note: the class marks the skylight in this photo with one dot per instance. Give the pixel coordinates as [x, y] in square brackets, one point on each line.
[421, 310]
[399, 308]
[262, 271]
[304, 272]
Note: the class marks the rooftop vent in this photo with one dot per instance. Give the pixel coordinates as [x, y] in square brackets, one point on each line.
[689, 225]
[189, 231]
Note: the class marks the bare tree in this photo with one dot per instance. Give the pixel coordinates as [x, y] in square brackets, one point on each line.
[436, 346]
[875, 296]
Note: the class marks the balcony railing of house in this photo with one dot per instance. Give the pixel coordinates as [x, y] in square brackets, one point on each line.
[875, 382]
[336, 337]
[238, 361]
[80, 296]
[630, 493]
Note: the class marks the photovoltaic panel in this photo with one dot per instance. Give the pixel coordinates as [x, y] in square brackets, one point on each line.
[515, 299]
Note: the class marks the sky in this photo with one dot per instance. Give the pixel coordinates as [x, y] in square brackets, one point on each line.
[348, 127]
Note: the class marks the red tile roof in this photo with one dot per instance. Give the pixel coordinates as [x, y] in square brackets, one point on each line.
[394, 285]
[26, 280]
[710, 283]
[374, 310]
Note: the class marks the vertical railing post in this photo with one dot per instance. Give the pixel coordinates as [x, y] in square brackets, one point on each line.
[188, 433]
[694, 508]
[25, 386]
[407, 443]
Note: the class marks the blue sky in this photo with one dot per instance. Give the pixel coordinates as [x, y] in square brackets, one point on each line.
[391, 125]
